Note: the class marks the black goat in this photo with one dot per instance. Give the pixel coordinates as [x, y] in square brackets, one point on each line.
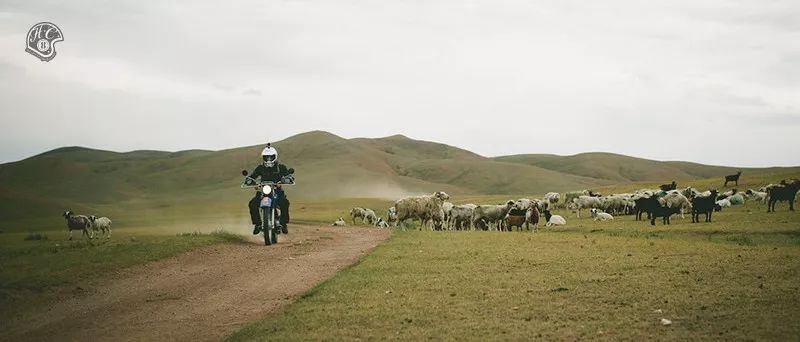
[704, 205]
[732, 178]
[661, 211]
[641, 205]
[668, 187]
[782, 192]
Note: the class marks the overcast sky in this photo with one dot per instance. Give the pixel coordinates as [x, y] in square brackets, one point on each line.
[709, 81]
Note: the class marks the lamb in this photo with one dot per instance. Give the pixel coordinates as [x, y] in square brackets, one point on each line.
[102, 224]
[732, 178]
[423, 208]
[381, 223]
[601, 216]
[783, 192]
[358, 212]
[370, 216]
[488, 214]
[461, 216]
[586, 202]
[532, 217]
[78, 222]
[553, 220]
[391, 214]
[447, 208]
[668, 187]
[703, 205]
[723, 203]
[339, 223]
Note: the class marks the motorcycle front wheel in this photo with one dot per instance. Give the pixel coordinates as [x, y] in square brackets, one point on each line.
[267, 227]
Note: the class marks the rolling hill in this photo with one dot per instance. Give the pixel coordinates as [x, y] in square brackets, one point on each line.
[328, 166]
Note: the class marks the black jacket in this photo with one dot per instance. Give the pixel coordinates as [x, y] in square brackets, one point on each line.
[270, 174]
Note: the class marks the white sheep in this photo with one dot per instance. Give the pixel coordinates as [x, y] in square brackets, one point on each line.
[585, 202]
[724, 203]
[461, 216]
[339, 223]
[370, 216]
[601, 216]
[102, 224]
[424, 208]
[552, 197]
[553, 220]
[358, 212]
[447, 207]
[675, 199]
[78, 222]
[758, 196]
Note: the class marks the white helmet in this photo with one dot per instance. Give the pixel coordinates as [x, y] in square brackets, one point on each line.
[270, 155]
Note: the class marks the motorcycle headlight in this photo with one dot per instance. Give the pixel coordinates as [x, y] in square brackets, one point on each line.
[266, 189]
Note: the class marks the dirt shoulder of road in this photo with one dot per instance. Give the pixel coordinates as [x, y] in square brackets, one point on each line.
[202, 295]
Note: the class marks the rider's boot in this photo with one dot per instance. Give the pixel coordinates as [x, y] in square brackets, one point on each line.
[285, 228]
[256, 229]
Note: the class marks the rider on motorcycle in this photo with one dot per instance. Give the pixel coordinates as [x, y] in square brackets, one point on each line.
[270, 171]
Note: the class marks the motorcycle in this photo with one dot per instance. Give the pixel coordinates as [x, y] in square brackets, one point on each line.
[268, 208]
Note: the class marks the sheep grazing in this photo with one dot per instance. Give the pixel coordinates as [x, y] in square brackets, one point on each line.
[586, 202]
[485, 215]
[552, 197]
[461, 216]
[572, 195]
[424, 208]
[668, 187]
[358, 212]
[102, 224]
[598, 215]
[674, 199]
[732, 178]
[339, 223]
[381, 223]
[783, 192]
[657, 210]
[516, 218]
[78, 222]
[553, 220]
[370, 216]
[447, 209]
[704, 205]
[758, 196]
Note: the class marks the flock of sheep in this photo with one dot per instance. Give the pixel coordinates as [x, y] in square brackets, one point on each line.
[87, 224]
[436, 212]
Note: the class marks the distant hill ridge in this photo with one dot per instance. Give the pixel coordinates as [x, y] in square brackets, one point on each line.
[328, 166]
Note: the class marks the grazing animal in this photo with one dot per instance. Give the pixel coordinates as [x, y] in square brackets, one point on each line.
[488, 214]
[78, 222]
[358, 212]
[102, 224]
[783, 192]
[759, 196]
[516, 218]
[733, 178]
[425, 208]
[704, 205]
[660, 211]
[339, 223]
[668, 187]
[461, 216]
[552, 197]
[532, 216]
[586, 202]
[553, 220]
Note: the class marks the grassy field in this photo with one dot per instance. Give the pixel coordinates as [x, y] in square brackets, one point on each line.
[736, 278]
[36, 263]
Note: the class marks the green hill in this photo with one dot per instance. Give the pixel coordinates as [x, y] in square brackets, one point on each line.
[140, 183]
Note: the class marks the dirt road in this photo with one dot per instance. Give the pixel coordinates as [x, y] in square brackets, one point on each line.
[203, 295]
